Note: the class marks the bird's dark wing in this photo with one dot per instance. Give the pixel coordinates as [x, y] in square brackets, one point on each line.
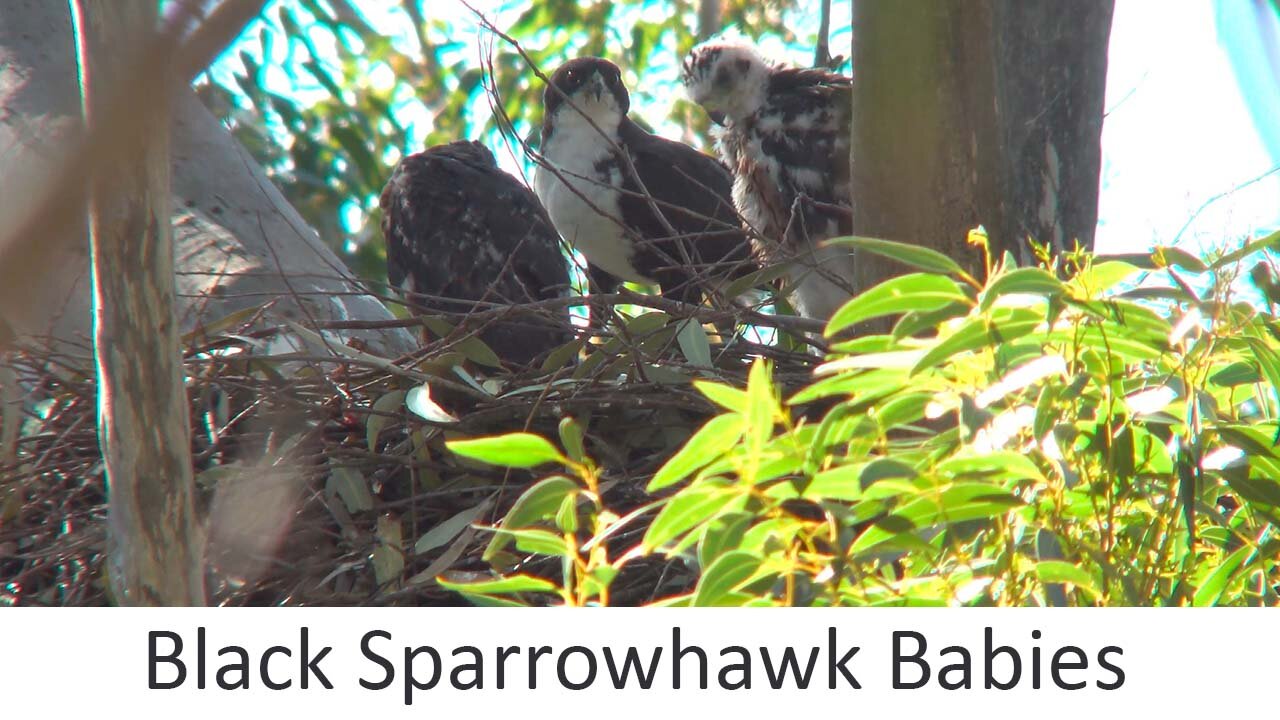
[462, 232]
[469, 232]
[693, 191]
[410, 216]
[789, 79]
[799, 143]
[512, 212]
[813, 109]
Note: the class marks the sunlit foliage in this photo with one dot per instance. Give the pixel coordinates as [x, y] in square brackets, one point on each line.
[1048, 437]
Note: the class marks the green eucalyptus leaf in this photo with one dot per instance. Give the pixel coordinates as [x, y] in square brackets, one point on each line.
[916, 256]
[1031, 281]
[571, 438]
[729, 398]
[514, 450]
[1210, 591]
[688, 509]
[694, 344]
[712, 440]
[1265, 243]
[382, 407]
[503, 586]
[1057, 571]
[726, 574]
[722, 535]
[450, 528]
[917, 292]
[538, 504]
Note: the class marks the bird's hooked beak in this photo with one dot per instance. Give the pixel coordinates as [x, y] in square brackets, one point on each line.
[596, 86]
[717, 117]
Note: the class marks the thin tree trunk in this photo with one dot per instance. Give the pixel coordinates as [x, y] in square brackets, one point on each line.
[709, 18]
[144, 427]
[984, 112]
[822, 54]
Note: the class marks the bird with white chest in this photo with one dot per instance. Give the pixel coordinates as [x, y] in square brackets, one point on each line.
[640, 208]
[785, 135]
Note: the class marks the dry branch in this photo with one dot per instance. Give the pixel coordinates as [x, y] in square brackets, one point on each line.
[251, 418]
[156, 548]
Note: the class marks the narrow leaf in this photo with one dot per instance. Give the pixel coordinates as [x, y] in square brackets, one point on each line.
[571, 438]
[729, 398]
[1031, 281]
[352, 488]
[1211, 589]
[388, 557]
[514, 450]
[726, 574]
[761, 412]
[502, 586]
[688, 509]
[712, 440]
[918, 292]
[1057, 571]
[981, 332]
[916, 256]
[388, 403]
[1249, 248]
[538, 504]
[450, 528]
[694, 344]
[537, 542]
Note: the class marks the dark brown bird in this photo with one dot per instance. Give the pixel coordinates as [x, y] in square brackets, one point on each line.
[461, 234]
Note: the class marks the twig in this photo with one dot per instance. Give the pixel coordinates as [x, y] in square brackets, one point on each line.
[709, 18]
[1205, 205]
[822, 54]
[214, 34]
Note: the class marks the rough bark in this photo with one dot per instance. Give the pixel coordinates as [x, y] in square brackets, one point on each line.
[1050, 79]
[238, 242]
[156, 549]
[985, 112]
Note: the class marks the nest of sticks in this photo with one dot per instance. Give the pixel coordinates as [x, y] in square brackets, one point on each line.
[321, 471]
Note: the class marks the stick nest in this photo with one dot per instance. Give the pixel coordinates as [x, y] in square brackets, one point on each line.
[316, 482]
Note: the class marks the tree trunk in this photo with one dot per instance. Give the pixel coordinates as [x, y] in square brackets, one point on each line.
[984, 112]
[1050, 80]
[709, 18]
[143, 422]
[239, 244]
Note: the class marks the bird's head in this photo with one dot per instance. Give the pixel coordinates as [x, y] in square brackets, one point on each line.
[728, 79]
[592, 85]
[470, 152]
